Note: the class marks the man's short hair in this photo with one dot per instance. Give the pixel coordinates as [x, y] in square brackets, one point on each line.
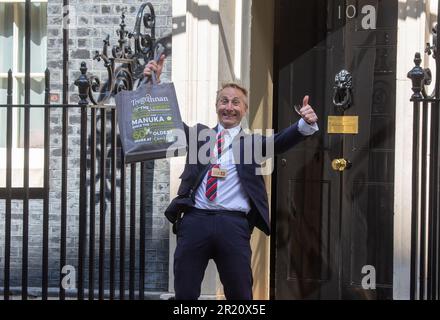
[235, 86]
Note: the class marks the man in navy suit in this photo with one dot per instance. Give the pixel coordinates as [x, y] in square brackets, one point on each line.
[228, 194]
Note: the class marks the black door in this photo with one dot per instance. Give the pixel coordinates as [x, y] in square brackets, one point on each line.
[334, 229]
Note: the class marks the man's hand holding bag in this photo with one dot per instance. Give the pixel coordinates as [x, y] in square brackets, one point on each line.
[150, 125]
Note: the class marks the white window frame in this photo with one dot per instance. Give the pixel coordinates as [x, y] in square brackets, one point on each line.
[36, 166]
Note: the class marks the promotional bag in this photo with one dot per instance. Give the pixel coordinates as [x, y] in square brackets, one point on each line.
[150, 125]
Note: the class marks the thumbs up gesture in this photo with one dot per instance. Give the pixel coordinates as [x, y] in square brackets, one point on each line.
[307, 113]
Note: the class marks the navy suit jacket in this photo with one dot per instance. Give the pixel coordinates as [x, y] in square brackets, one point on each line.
[252, 183]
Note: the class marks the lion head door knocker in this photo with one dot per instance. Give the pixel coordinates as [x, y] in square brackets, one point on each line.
[342, 94]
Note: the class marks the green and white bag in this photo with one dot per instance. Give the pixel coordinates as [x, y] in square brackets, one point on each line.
[150, 125]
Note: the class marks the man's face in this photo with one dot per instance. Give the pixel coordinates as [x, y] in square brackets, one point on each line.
[231, 107]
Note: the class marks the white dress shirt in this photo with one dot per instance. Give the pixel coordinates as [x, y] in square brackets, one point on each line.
[230, 193]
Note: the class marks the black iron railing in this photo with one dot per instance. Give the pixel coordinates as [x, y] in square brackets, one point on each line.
[96, 199]
[102, 177]
[425, 223]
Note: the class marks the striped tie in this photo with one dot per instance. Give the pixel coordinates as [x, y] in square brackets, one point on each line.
[211, 184]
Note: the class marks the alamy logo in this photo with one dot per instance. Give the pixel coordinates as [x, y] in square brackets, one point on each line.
[369, 15]
[69, 17]
[68, 281]
[369, 280]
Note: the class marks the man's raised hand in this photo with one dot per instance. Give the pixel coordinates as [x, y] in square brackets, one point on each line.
[155, 66]
[307, 112]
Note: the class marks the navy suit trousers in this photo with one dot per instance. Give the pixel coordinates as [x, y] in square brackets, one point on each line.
[223, 236]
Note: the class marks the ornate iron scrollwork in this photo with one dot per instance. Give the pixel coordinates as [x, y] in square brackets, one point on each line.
[143, 43]
[125, 63]
[342, 94]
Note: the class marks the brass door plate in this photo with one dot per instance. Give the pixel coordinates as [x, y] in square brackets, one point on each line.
[343, 124]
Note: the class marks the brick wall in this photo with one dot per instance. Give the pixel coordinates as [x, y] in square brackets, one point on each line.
[93, 21]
